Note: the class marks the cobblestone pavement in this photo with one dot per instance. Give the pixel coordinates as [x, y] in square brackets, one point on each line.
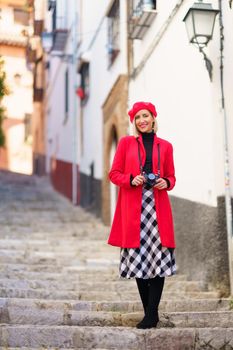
[59, 285]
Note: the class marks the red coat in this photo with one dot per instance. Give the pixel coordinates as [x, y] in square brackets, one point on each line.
[125, 230]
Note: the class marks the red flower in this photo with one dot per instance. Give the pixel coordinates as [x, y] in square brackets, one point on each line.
[80, 92]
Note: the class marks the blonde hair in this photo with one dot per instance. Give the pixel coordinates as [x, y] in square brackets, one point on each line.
[137, 133]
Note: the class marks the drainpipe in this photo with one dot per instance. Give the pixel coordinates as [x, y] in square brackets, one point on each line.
[74, 138]
[228, 204]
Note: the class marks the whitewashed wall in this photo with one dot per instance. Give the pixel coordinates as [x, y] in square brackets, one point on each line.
[102, 78]
[228, 86]
[60, 130]
[188, 104]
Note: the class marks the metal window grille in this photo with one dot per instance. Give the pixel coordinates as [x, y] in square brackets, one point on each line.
[114, 31]
[66, 92]
[27, 126]
[85, 80]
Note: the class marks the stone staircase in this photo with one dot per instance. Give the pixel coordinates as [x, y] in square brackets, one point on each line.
[59, 284]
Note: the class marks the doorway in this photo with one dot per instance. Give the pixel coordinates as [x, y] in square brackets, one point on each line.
[113, 188]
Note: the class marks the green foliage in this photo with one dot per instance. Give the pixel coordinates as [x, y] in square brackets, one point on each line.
[28, 5]
[2, 136]
[3, 91]
[231, 304]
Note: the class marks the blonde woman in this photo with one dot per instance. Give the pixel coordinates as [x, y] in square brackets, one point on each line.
[142, 227]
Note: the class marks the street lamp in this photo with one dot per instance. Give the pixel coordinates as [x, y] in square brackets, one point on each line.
[199, 21]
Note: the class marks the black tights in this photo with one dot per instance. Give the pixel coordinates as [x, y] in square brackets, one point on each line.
[150, 291]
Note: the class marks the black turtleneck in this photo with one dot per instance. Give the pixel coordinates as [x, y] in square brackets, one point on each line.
[148, 140]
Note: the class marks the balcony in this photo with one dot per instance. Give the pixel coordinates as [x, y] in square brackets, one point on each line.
[59, 40]
[141, 17]
[55, 39]
[11, 37]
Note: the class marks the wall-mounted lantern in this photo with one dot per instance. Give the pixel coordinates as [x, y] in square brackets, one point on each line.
[199, 21]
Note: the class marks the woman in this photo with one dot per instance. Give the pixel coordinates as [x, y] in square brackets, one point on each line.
[143, 224]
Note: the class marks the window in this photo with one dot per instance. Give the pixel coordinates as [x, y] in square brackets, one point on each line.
[27, 126]
[85, 81]
[114, 31]
[38, 90]
[138, 5]
[52, 6]
[141, 16]
[21, 17]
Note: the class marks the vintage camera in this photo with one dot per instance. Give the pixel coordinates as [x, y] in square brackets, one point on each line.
[151, 179]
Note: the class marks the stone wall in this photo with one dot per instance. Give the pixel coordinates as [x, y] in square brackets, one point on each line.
[201, 238]
[90, 194]
[39, 164]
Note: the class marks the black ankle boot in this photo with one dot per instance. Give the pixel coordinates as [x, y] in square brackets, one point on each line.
[150, 320]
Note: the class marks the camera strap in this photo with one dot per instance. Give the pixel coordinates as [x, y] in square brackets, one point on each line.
[140, 159]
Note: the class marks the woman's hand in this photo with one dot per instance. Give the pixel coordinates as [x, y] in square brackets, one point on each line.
[161, 184]
[138, 180]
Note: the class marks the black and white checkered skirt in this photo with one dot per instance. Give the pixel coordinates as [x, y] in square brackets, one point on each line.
[151, 259]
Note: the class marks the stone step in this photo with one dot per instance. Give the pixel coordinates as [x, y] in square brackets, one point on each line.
[97, 296]
[52, 258]
[201, 319]
[81, 269]
[27, 232]
[25, 348]
[41, 315]
[46, 348]
[31, 230]
[123, 306]
[11, 254]
[76, 284]
[42, 273]
[94, 249]
[54, 232]
[61, 244]
[125, 338]
[41, 228]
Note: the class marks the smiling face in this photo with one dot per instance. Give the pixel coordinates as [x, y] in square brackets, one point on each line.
[144, 121]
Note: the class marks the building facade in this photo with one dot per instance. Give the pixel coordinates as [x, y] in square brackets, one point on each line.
[171, 72]
[37, 61]
[60, 99]
[113, 53]
[15, 30]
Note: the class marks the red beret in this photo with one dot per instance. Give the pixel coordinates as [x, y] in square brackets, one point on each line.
[138, 106]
